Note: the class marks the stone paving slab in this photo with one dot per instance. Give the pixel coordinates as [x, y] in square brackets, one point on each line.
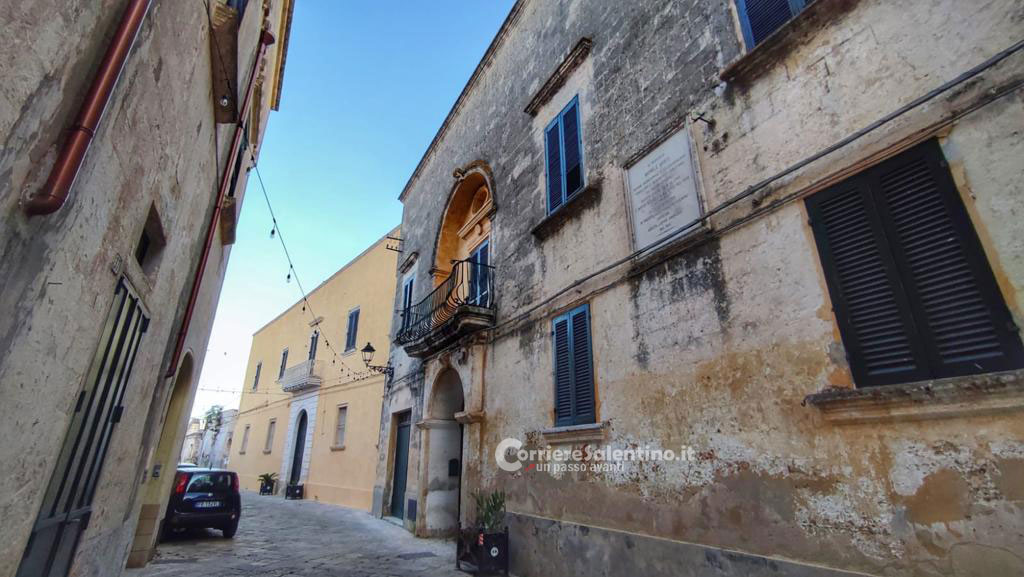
[278, 538]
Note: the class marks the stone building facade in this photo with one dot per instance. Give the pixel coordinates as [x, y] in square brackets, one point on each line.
[310, 409]
[192, 445]
[215, 449]
[781, 239]
[111, 267]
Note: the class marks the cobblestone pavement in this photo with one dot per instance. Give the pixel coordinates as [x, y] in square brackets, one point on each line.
[278, 538]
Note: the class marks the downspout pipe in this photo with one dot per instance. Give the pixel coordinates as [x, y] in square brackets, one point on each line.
[266, 39]
[55, 192]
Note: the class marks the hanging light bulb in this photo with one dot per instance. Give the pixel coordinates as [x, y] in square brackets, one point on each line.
[273, 231]
[289, 278]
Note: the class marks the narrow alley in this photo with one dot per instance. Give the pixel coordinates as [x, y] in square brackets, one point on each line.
[301, 538]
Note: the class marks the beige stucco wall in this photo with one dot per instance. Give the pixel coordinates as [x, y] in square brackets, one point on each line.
[341, 475]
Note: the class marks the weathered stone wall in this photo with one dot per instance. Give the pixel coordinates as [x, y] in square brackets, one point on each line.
[157, 146]
[717, 346]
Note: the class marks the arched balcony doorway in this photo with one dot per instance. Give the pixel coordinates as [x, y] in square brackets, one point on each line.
[462, 276]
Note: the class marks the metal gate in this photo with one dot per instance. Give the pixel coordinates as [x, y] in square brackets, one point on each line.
[67, 504]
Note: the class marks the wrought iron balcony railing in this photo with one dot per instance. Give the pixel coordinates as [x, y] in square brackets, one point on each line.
[304, 375]
[466, 295]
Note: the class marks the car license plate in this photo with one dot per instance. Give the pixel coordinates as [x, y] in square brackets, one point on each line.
[207, 504]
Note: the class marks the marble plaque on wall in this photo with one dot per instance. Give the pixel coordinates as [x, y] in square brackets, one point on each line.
[663, 191]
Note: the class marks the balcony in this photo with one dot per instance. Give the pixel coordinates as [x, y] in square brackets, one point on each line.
[462, 304]
[302, 376]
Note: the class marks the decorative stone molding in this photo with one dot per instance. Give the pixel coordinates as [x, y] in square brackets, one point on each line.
[758, 59]
[572, 61]
[574, 205]
[436, 423]
[470, 417]
[595, 432]
[408, 262]
[936, 399]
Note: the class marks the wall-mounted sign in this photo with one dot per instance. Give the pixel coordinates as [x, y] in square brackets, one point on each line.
[663, 191]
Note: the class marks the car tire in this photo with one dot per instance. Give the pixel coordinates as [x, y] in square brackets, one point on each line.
[230, 530]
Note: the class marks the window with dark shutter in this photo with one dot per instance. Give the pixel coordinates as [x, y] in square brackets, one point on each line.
[256, 378]
[563, 144]
[284, 364]
[912, 291]
[759, 18]
[574, 373]
[353, 329]
[407, 302]
[314, 339]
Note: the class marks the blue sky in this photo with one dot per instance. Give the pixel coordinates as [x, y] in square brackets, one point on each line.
[367, 84]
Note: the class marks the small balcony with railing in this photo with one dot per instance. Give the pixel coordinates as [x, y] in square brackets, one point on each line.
[305, 375]
[462, 304]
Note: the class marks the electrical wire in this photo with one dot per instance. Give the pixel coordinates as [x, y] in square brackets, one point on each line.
[751, 190]
[307, 306]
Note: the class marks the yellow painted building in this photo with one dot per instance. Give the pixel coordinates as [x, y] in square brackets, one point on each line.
[310, 410]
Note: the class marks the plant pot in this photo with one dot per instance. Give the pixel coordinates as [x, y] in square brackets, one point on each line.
[486, 552]
[267, 488]
[294, 492]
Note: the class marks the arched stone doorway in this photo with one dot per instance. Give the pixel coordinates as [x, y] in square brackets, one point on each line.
[444, 447]
[295, 471]
[164, 465]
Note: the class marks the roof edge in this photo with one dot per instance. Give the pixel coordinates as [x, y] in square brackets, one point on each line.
[499, 38]
[345, 267]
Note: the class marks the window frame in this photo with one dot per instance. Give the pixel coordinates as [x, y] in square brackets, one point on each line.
[256, 377]
[925, 346]
[268, 444]
[245, 440]
[284, 364]
[339, 426]
[795, 7]
[352, 336]
[314, 342]
[408, 285]
[567, 316]
[558, 121]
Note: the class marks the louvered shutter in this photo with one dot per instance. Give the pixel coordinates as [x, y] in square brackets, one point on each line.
[871, 309]
[353, 327]
[571, 141]
[582, 368]
[563, 372]
[912, 290]
[554, 165]
[960, 311]
[762, 17]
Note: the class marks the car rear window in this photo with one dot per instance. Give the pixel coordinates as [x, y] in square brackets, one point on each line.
[209, 482]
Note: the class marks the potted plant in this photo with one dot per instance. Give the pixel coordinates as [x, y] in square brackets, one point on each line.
[486, 544]
[267, 483]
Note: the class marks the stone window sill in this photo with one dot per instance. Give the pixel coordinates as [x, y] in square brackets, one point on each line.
[575, 205]
[337, 447]
[575, 434]
[670, 249]
[936, 399]
[774, 49]
[266, 452]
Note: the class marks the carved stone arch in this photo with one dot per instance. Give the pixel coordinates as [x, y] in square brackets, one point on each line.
[466, 219]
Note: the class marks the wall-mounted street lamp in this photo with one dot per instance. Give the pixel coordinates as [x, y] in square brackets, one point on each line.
[387, 369]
